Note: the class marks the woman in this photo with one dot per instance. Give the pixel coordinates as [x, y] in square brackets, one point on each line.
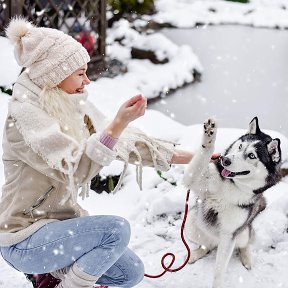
[54, 143]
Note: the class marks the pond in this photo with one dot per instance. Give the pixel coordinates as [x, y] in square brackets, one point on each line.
[245, 75]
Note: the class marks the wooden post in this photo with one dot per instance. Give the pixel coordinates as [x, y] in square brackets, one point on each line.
[16, 7]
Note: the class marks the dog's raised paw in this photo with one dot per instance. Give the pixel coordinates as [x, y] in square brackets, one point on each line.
[209, 128]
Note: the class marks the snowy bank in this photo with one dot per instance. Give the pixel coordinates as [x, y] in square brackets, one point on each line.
[141, 75]
[188, 14]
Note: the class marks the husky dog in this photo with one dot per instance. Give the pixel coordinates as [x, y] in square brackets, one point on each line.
[229, 192]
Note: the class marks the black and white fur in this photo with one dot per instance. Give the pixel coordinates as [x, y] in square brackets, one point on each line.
[229, 192]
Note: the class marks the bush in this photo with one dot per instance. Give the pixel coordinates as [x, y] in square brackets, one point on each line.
[241, 1]
[132, 6]
[6, 90]
[108, 184]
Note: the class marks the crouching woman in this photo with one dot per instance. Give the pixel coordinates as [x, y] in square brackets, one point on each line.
[55, 141]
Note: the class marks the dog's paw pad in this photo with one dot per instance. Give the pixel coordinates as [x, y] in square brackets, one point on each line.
[209, 127]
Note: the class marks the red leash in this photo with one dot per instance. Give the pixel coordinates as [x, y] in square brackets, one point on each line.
[167, 268]
[215, 156]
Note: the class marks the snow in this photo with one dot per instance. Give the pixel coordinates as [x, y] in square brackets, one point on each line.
[142, 73]
[258, 13]
[9, 69]
[156, 212]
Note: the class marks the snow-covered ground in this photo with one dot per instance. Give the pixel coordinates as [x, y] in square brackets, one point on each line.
[188, 13]
[156, 212]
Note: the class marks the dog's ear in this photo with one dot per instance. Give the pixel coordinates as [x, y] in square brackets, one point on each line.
[253, 126]
[274, 150]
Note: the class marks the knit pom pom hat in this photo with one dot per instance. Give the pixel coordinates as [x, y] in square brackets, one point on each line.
[49, 54]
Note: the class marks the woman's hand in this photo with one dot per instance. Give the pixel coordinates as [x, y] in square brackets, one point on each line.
[128, 112]
[181, 157]
[184, 157]
[131, 110]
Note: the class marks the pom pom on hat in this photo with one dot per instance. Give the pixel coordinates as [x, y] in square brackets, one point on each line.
[50, 54]
[17, 29]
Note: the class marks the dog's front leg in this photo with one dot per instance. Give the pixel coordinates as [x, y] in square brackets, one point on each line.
[197, 173]
[224, 252]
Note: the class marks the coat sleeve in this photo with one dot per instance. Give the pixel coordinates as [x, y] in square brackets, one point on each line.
[136, 147]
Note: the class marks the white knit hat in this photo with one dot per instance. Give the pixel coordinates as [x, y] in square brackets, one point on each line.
[49, 54]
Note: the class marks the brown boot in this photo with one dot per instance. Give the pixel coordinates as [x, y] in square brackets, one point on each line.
[43, 280]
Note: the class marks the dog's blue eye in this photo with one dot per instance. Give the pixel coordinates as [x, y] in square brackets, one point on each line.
[251, 156]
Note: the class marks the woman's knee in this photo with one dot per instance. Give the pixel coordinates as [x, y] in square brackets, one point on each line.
[122, 230]
[117, 226]
[133, 267]
[140, 272]
[136, 275]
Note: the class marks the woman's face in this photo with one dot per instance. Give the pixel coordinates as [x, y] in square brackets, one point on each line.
[75, 82]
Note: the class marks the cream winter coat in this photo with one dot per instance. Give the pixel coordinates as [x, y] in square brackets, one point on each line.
[44, 167]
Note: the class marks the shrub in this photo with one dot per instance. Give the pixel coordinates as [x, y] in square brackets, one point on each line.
[132, 6]
[108, 184]
[6, 90]
[241, 1]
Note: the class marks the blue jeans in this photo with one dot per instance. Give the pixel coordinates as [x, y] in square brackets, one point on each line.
[98, 244]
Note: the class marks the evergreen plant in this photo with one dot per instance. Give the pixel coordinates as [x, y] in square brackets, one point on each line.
[132, 6]
[240, 1]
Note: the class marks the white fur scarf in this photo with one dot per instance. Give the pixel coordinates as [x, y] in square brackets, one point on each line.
[42, 132]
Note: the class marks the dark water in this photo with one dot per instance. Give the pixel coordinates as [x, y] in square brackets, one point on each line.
[245, 75]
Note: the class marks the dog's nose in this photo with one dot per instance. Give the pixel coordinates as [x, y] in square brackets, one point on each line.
[225, 161]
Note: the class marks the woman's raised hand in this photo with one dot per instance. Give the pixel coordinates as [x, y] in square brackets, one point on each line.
[129, 111]
[132, 109]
